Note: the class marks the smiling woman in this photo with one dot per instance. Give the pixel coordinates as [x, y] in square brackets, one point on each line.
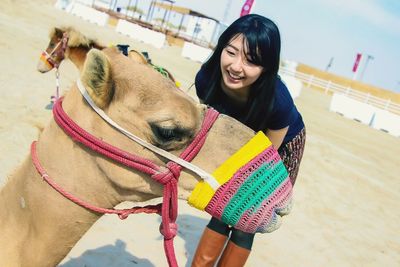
[241, 79]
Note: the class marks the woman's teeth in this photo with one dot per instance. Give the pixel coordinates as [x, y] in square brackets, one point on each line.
[235, 77]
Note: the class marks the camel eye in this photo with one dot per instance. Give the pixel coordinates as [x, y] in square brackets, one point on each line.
[167, 134]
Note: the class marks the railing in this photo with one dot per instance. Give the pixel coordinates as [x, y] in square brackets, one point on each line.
[329, 87]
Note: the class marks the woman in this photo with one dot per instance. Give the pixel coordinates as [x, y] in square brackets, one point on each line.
[241, 80]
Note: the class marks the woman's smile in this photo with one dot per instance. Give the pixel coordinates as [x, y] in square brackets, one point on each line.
[235, 77]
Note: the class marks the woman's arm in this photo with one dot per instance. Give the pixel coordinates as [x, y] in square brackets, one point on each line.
[276, 136]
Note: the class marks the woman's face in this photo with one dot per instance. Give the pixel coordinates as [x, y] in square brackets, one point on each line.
[238, 74]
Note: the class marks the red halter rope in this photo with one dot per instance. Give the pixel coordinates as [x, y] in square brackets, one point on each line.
[167, 177]
[59, 51]
[47, 58]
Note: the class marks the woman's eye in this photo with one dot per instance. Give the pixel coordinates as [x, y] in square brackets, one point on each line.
[229, 52]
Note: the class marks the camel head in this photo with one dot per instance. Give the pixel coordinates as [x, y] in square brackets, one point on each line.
[151, 107]
[62, 41]
[165, 116]
[142, 102]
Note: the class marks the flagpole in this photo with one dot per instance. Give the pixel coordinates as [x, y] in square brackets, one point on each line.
[226, 13]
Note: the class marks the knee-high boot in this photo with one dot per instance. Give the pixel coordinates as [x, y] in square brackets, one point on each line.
[209, 248]
[233, 256]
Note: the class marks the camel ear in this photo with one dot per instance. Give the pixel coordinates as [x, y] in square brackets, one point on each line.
[57, 32]
[137, 56]
[96, 77]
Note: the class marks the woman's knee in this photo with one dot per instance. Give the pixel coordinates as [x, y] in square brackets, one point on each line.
[242, 239]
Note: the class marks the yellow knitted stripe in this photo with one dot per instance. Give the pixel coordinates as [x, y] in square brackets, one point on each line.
[203, 192]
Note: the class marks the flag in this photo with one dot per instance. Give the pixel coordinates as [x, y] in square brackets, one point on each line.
[357, 62]
[246, 7]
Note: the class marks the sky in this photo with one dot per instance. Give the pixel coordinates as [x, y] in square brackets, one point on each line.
[315, 31]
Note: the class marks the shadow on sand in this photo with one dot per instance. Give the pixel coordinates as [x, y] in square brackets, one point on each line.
[106, 256]
[190, 230]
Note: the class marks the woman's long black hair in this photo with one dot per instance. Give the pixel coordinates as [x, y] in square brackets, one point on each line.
[264, 45]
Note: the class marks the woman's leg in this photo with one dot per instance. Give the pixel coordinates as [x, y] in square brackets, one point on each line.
[211, 244]
[242, 239]
[237, 250]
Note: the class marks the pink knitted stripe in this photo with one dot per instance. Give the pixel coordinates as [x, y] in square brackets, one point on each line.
[282, 200]
[262, 218]
[225, 193]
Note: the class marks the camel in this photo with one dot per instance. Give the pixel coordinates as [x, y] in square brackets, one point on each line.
[39, 226]
[68, 43]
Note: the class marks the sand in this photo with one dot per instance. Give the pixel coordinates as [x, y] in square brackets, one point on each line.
[347, 195]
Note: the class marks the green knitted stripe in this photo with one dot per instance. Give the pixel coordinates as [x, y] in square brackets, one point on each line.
[258, 187]
[280, 176]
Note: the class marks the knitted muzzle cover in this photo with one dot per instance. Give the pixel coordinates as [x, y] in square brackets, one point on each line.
[255, 188]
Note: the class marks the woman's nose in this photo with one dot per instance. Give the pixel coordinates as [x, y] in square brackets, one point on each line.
[237, 64]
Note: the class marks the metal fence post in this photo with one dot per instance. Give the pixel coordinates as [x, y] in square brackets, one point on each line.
[310, 81]
[328, 87]
[387, 104]
[367, 98]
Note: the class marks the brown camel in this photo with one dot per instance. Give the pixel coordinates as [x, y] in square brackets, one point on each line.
[68, 43]
[38, 226]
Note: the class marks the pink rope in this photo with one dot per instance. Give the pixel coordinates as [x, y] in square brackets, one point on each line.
[169, 179]
[59, 51]
[122, 213]
[80, 135]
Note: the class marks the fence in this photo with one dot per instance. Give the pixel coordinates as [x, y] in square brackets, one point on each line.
[329, 88]
[380, 114]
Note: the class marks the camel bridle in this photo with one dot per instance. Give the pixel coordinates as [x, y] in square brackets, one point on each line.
[58, 51]
[167, 175]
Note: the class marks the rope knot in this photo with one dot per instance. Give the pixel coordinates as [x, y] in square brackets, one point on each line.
[172, 171]
[170, 232]
[175, 169]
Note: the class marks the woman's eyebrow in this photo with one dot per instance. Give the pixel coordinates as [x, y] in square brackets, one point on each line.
[232, 46]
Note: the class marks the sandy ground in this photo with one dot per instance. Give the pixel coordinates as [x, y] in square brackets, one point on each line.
[347, 196]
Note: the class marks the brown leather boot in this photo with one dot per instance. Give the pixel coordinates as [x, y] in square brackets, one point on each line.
[233, 256]
[209, 248]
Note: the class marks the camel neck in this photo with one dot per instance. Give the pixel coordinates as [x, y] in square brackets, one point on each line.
[78, 56]
[37, 223]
